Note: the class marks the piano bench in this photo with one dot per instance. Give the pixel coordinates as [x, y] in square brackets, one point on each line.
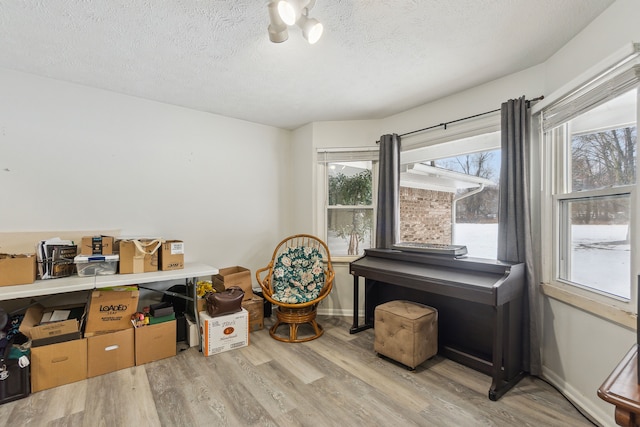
[406, 332]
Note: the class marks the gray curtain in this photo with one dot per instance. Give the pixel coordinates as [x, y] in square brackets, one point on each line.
[388, 213]
[514, 226]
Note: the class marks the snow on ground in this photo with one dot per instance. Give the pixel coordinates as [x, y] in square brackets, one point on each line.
[599, 259]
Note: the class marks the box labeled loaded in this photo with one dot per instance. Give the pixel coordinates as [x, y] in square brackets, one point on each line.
[110, 309]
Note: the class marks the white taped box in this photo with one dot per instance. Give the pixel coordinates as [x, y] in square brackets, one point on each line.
[193, 337]
[224, 333]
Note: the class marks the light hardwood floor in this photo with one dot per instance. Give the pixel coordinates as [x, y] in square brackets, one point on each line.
[336, 380]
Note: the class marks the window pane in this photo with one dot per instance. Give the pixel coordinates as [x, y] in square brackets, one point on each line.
[597, 253]
[427, 206]
[350, 184]
[349, 231]
[603, 145]
[350, 210]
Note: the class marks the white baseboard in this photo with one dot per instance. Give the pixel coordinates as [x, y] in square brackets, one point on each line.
[338, 312]
[584, 405]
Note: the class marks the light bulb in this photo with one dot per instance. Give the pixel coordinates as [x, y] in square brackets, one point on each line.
[311, 28]
[315, 32]
[287, 12]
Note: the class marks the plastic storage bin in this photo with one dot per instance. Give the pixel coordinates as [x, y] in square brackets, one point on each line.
[96, 265]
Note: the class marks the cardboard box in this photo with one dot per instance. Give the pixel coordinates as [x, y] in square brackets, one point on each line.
[54, 332]
[17, 269]
[267, 304]
[201, 304]
[57, 364]
[155, 342]
[135, 260]
[111, 309]
[109, 352]
[255, 307]
[96, 245]
[235, 276]
[224, 333]
[172, 255]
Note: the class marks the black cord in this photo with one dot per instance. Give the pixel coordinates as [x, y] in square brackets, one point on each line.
[586, 416]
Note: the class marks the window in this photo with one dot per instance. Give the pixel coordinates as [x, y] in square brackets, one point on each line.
[590, 138]
[450, 196]
[349, 201]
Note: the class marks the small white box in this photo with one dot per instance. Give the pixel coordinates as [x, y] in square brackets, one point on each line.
[96, 265]
[224, 333]
[193, 338]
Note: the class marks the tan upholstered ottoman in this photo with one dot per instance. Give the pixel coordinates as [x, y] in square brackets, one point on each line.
[406, 332]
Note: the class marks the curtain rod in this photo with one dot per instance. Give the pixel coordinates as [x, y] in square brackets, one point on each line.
[444, 125]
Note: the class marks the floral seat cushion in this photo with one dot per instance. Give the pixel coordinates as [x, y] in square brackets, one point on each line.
[298, 275]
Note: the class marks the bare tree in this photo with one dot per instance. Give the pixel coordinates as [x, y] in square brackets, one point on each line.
[600, 160]
[483, 206]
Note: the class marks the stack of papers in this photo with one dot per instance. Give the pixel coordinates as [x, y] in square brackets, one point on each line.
[55, 316]
[55, 258]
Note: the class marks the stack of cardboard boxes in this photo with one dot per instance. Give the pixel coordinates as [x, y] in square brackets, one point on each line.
[60, 354]
[223, 333]
[241, 276]
[98, 337]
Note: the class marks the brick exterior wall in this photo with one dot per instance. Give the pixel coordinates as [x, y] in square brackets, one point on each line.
[425, 216]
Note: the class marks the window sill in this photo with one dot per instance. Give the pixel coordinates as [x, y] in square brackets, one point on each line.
[598, 308]
[344, 259]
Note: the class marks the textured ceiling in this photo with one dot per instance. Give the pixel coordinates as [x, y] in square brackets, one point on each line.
[376, 57]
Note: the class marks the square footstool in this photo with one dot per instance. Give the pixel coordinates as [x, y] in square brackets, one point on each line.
[406, 332]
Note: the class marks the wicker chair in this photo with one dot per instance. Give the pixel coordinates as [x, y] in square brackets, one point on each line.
[298, 277]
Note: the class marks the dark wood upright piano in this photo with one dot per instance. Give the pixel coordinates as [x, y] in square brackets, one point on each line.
[479, 305]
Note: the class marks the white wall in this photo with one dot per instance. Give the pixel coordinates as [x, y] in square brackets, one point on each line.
[301, 214]
[77, 158]
[480, 99]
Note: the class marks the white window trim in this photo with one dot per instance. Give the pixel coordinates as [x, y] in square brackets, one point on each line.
[560, 226]
[329, 155]
[613, 309]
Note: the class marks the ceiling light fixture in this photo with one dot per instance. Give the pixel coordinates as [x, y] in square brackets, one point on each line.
[283, 13]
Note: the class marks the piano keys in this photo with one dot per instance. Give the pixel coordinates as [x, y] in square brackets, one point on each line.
[479, 303]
